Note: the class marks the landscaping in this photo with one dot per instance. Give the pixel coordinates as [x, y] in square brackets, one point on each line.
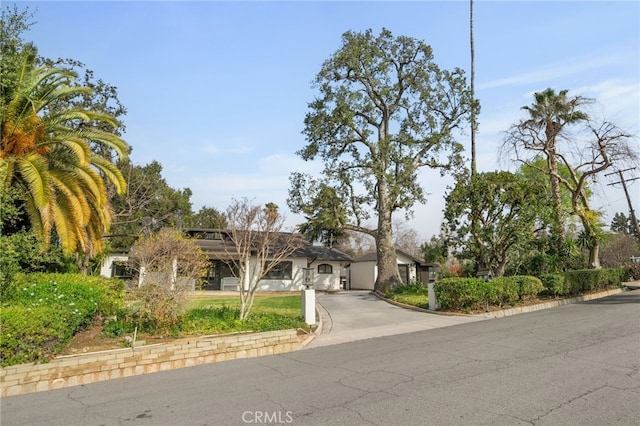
[472, 295]
[44, 315]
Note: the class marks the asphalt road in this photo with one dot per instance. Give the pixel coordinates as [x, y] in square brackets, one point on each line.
[571, 365]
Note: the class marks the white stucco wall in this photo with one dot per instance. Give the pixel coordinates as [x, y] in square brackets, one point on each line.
[363, 275]
[296, 283]
[106, 267]
[327, 281]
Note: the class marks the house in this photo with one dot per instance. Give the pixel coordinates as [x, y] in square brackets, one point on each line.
[363, 271]
[309, 266]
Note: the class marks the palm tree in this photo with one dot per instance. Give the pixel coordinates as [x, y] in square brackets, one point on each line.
[46, 153]
[549, 116]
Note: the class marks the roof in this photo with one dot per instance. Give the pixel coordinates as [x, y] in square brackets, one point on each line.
[314, 252]
[218, 241]
[373, 256]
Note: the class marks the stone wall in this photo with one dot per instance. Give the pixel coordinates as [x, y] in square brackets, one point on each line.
[93, 367]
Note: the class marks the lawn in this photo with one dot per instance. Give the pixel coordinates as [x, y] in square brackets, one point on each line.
[419, 300]
[286, 305]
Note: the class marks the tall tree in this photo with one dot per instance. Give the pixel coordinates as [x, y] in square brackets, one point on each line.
[586, 150]
[207, 217]
[385, 110]
[148, 205]
[621, 224]
[60, 128]
[550, 117]
[48, 157]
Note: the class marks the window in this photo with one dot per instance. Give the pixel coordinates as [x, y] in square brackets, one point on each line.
[325, 268]
[279, 271]
[404, 273]
[121, 269]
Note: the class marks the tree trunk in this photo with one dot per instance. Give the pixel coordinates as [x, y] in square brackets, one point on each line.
[388, 275]
[594, 255]
[556, 195]
[502, 263]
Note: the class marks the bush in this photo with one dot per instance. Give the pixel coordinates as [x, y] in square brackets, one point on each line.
[507, 291]
[45, 310]
[462, 293]
[555, 285]
[528, 287]
[413, 287]
[475, 293]
[32, 334]
[634, 271]
[158, 307]
[585, 280]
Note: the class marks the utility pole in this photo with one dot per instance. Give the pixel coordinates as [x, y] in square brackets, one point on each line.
[634, 220]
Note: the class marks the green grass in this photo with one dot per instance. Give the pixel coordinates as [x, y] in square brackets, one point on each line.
[414, 294]
[419, 300]
[219, 315]
[287, 305]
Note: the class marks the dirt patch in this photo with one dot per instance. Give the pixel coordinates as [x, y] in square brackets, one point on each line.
[92, 340]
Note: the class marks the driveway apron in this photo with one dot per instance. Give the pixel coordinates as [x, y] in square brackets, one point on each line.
[357, 315]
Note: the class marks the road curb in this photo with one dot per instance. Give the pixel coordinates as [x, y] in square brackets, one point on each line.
[510, 311]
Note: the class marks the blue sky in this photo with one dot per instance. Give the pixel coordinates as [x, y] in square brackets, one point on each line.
[217, 91]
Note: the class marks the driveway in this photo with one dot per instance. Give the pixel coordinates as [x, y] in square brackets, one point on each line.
[357, 315]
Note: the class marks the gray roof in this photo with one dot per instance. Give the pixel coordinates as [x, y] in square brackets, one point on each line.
[373, 256]
[217, 242]
[314, 252]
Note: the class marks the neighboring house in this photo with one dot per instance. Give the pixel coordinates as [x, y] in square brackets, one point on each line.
[363, 271]
[309, 266]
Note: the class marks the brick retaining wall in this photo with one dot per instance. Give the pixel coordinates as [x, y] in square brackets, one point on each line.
[72, 370]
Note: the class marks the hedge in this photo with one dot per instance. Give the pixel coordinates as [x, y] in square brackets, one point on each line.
[475, 293]
[586, 280]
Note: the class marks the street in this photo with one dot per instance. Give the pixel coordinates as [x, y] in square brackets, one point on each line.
[572, 365]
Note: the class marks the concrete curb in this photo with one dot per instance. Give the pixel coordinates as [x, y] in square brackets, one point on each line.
[418, 309]
[551, 304]
[510, 311]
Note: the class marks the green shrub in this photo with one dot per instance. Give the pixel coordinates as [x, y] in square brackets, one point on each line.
[586, 280]
[462, 293]
[105, 294]
[528, 287]
[507, 291]
[32, 334]
[475, 293]
[555, 285]
[44, 311]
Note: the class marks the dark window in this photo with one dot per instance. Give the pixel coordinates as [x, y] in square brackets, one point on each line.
[325, 269]
[279, 271]
[121, 269]
[404, 273]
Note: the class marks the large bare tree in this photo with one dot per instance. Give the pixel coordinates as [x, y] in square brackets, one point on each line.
[259, 244]
[563, 134]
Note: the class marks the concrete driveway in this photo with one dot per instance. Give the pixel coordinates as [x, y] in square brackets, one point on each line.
[357, 315]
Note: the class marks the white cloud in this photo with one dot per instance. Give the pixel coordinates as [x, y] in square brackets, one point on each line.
[555, 71]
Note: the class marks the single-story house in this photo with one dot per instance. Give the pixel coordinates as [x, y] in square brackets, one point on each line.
[363, 271]
[309, 266]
